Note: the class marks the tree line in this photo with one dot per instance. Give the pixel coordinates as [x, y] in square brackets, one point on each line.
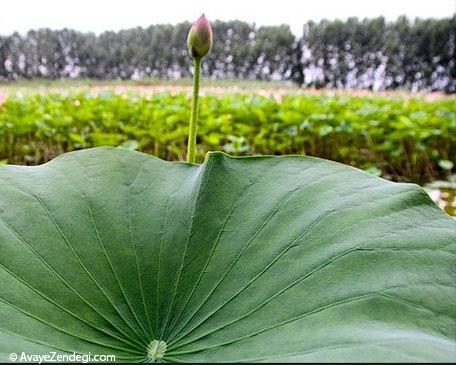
[356, 53]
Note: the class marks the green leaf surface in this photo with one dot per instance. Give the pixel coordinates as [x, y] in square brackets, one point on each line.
[111, 251]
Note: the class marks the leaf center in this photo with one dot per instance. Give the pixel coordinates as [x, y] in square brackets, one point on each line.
[156, 350]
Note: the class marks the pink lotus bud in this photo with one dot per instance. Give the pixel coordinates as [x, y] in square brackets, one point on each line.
[199, 40]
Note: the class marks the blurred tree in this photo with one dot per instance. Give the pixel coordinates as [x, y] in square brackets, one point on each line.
[369, 53]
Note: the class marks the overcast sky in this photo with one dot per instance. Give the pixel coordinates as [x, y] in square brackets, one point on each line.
[100, 15]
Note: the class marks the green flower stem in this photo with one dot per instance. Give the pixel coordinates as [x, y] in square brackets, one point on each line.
[191, 147]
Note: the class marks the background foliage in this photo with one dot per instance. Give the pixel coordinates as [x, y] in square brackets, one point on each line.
[369, 53]
[409, 139]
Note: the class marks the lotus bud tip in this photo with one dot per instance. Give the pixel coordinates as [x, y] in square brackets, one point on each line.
[199, 40]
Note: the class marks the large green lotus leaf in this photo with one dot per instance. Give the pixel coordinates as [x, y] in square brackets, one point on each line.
[237, 259]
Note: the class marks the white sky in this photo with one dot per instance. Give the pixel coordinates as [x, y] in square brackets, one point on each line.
[100, 15]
